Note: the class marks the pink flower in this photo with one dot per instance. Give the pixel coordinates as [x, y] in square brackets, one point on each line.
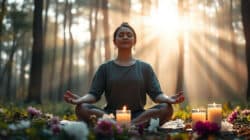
[104, 127]
[245, 112]
[33, 111]
[233, 116]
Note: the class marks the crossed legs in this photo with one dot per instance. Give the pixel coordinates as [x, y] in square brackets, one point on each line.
[162, 111]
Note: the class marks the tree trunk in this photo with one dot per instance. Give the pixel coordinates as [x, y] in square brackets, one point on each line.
[93, 32]
[71, 49]
[53, 90]
[45, 21]
[63, 73]
[9, 68]
[35, 86]
[245, 4]
[106, 29]
[3, 12]
[179, 85]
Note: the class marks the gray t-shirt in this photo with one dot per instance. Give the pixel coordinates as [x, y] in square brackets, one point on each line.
[125, 85]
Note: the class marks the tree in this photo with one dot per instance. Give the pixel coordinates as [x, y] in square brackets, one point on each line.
[53, 93]
[246, 25]
[2, 14]
[37, 55]
[106, 28]
[180, 77]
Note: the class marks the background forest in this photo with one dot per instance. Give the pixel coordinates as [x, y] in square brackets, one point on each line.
[199, 46]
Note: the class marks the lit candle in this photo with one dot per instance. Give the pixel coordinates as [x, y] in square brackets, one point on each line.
[198, 115]
[123, 116]
[214, 113]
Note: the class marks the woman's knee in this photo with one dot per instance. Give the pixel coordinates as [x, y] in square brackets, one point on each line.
[81, 109]
[167, 108]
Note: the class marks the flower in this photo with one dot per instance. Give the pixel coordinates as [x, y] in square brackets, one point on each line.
[104, 127]
[54, 120]
[33, 111]
[233, 116]
[107, 126]
[239, 116]
[23, 124]
[78, 130]
[206, 128]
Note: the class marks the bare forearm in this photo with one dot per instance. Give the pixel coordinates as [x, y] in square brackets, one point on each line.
[162, 99]
[88, 98]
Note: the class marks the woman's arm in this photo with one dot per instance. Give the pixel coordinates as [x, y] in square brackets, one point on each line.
[71, 98]
[178, 98]
[88, 98]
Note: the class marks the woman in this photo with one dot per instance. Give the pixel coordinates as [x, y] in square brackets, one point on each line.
[125, 81]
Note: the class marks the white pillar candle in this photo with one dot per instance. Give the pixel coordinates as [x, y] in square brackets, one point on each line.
[214, 113]
[123, 117]
[198, 115]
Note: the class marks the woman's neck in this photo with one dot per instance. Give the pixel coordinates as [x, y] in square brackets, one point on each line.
[124, 55]
[125, 58]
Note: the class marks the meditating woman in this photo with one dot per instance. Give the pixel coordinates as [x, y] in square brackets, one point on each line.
[125, 81]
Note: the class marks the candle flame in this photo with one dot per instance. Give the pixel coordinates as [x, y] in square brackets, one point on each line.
[214, 104]
[124, 108]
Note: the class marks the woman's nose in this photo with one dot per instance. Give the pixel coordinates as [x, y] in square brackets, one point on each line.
[125, 36]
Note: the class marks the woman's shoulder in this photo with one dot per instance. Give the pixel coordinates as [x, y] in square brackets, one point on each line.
[144, 63]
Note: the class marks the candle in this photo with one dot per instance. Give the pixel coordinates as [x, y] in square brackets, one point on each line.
[198, 115]
[214, 113]
[123, 116]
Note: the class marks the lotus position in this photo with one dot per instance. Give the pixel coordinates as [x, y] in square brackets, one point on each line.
[125, 81]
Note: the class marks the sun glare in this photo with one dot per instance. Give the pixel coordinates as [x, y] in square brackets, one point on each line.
[164, 20]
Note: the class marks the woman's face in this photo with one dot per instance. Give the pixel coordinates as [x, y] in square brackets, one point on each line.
[124, 38]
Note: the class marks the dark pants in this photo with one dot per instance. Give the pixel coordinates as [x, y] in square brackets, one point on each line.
[133, 113]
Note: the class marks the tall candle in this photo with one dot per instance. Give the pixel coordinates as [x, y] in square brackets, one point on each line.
[123, 117]
[214, 113]
[198, 115]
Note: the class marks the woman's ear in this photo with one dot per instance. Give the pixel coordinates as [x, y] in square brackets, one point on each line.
[134, 42]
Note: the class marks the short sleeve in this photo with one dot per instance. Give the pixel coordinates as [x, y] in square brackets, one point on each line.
[153, 88]
[98, 83]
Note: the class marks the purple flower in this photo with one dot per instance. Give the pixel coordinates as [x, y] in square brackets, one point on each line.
[54, 120]
[33, 111]
[104, 127]
[55, 128]
[205, 128]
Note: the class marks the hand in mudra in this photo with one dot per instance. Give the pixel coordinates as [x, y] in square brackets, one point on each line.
[178, 98]
[71, 98]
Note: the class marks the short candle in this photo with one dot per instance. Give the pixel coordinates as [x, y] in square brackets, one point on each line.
[214, 113]
[123, 117]
[198, 115]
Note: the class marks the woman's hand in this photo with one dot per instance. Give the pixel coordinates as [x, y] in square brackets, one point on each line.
[71, 98]
[178, 98]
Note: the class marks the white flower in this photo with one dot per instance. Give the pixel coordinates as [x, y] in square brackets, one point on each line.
[78, 130]
[23, 124]
[153, 125]
[12, 127]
